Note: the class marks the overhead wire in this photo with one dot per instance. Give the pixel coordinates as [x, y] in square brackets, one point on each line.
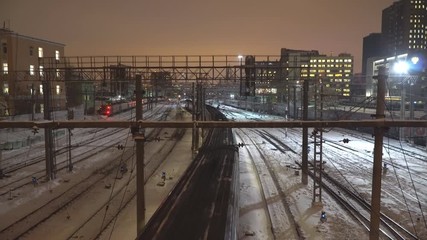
[410, 176]
[113, 185]
[125, 188]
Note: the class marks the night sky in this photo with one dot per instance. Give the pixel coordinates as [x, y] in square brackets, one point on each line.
[197, 27]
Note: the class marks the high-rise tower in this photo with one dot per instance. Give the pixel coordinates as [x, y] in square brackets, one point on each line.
[404, 27]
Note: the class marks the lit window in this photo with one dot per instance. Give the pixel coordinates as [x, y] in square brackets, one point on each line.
[57, 73]
[31, 70]
[5, 68]
[41, 88]
[58, 89]
[41, 70]
[40, 52]
[57, 55]
[6, 88]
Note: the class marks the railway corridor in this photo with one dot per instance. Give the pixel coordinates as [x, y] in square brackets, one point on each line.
[273, 202]
[96, 199]
[349, 163]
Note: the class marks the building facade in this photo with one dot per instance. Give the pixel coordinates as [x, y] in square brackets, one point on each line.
[22, 76]
[372, 47]
[296, 63]
[335, 72]
[404, 27]
[411, 79]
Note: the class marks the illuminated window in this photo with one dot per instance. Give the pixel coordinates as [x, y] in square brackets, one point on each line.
[58, 89]
[57, 55]
[31, 70]
[57, 73]
[40, 52]
[5, 68]
[41, 89]
[6, 88]
[41, 70]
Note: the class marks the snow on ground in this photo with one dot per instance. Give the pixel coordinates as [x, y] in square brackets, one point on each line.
[353, 159]
[254, 223]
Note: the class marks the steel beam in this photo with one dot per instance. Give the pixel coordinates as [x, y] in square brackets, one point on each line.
[213, 124]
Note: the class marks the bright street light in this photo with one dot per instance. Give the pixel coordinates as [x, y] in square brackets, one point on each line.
[401, 67]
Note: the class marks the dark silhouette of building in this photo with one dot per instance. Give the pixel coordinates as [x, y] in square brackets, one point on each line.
[372, 47]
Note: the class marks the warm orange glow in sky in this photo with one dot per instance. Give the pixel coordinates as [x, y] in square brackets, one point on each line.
[187, 27]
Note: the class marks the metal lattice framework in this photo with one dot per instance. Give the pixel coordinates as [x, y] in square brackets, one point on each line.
[182, 68]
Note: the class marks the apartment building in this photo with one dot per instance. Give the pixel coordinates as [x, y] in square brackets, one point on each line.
[23, 78]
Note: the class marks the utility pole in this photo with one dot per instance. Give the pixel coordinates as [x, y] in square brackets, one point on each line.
[402, 111]
[318, 149]
[70, 116]
[193, 118]
[304, 164]
[70, 162]
[139, 138]
[32, 102]
[49, 144]
[295, 101]
[378, 151]
[1, 170]
[198, 112]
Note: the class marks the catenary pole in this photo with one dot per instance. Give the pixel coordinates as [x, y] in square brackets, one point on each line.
[138, 135]
[378, 151]
[50, 174]
[304, 164]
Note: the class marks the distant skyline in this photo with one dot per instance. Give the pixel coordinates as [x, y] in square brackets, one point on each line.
[197, 27]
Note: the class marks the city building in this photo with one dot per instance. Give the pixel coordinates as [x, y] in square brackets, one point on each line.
[372, 47]
[295, 63]
[404, 27]
[403, 38]
[405, 74]
[22, 76]
[335, 72]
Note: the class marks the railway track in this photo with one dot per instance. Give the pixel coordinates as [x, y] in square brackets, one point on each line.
[10, 165]
[349, 200]
[201, 205]
[14, 184]
[268, 172]
[74, 196]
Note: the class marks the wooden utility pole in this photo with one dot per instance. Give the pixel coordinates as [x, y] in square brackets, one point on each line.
[138, 134]
[378, 152]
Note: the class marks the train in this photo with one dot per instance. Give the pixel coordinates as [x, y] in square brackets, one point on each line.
[109, 109]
